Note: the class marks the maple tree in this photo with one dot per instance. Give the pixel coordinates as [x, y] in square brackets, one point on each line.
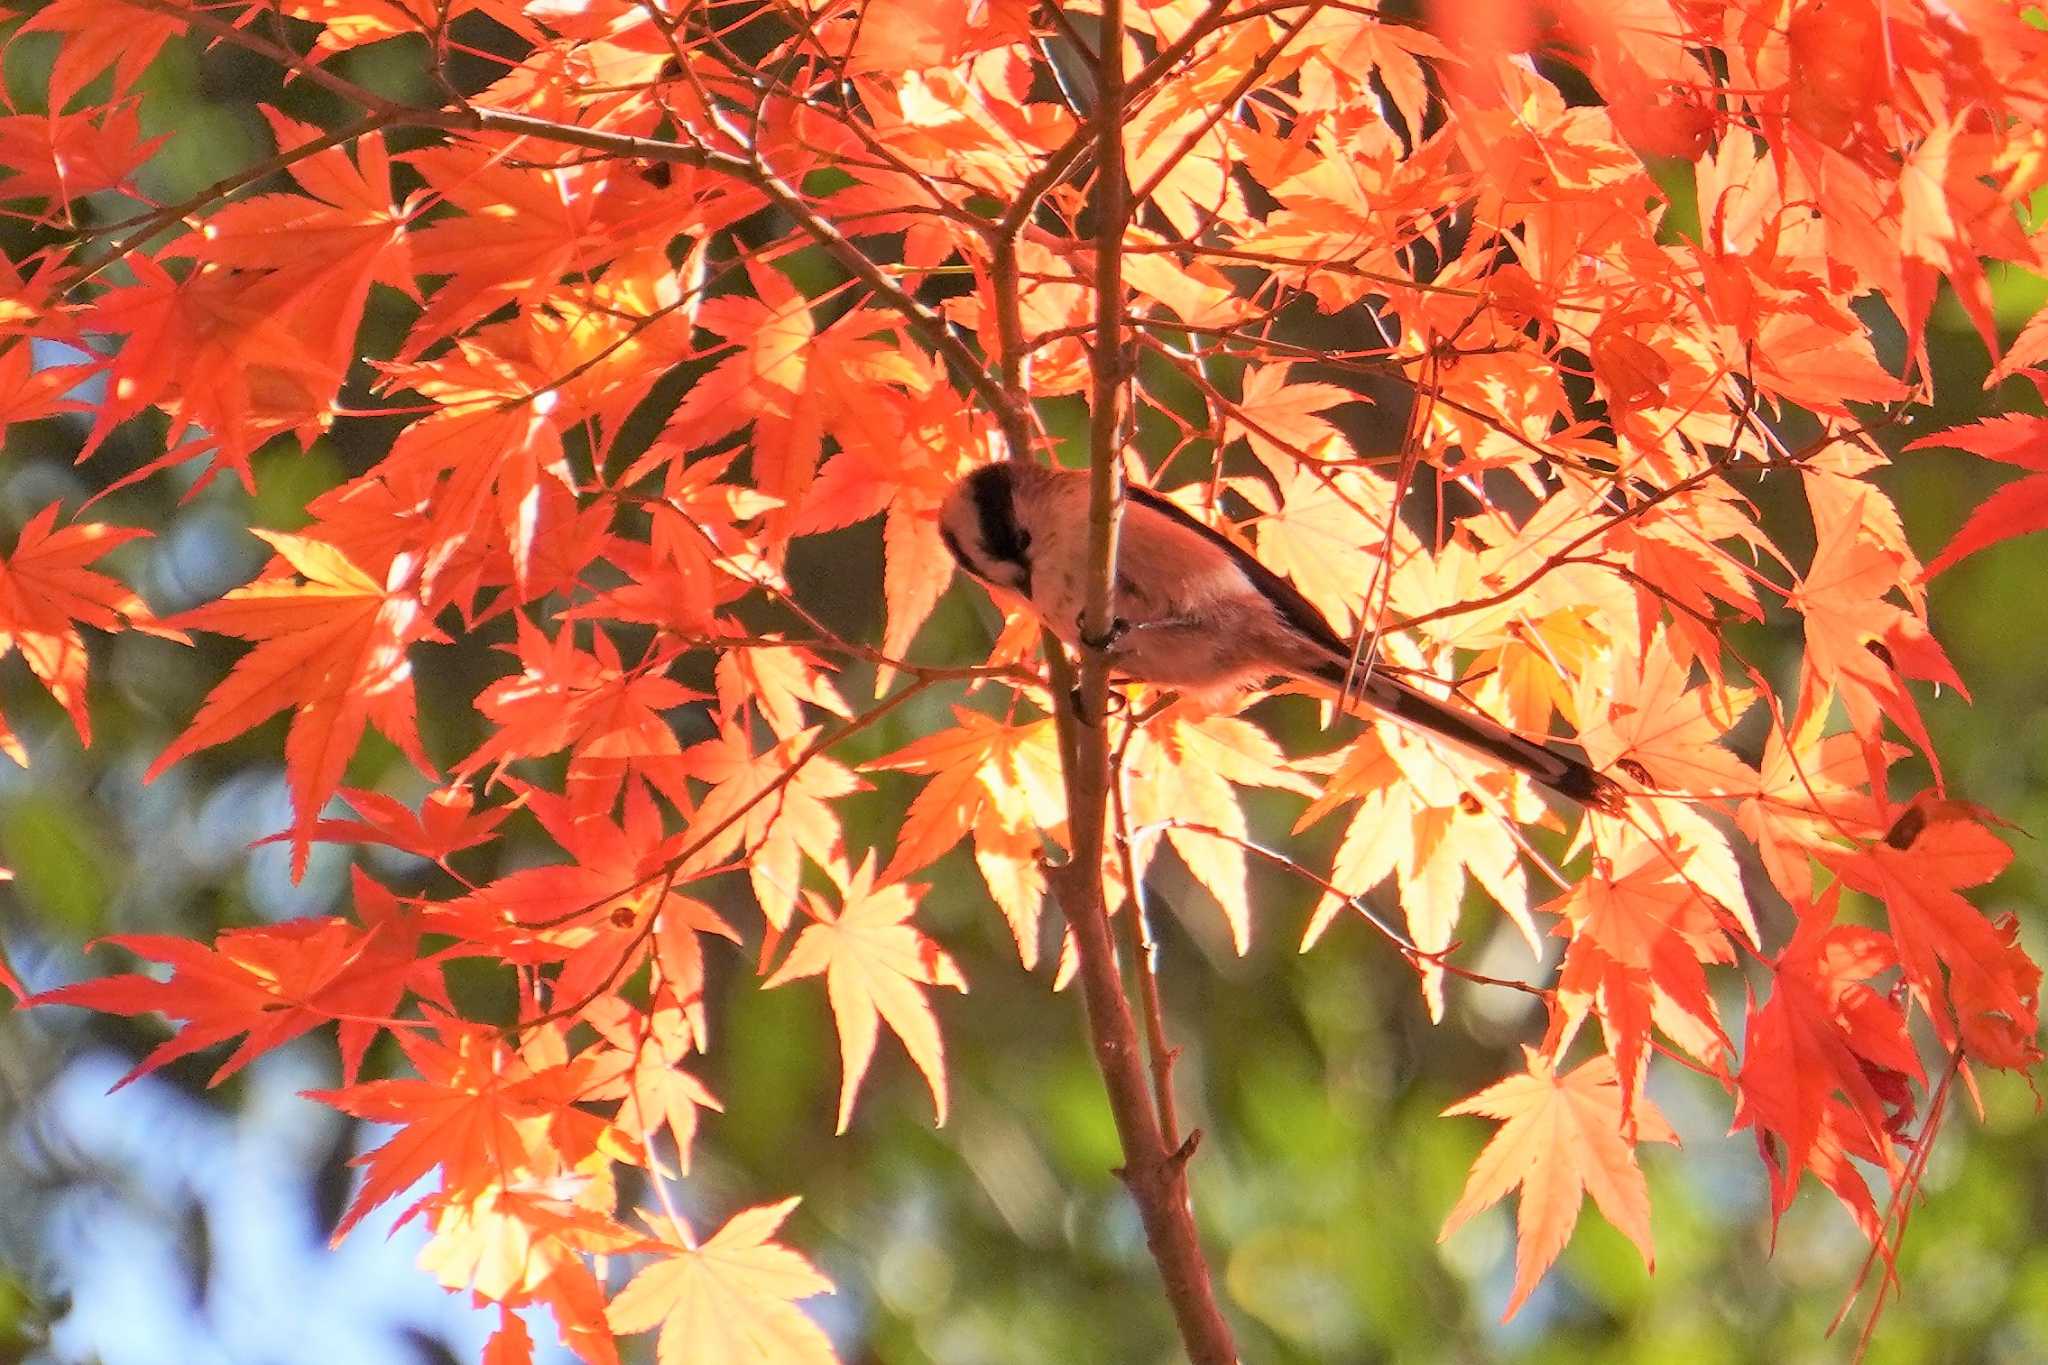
[689, 288]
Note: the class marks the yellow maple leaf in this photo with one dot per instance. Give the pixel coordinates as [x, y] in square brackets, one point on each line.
[732, 1297]
[1561, 1140]
[873, 961]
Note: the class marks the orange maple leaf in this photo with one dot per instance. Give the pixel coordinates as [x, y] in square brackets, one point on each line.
[1561, 1140]
[272, 983]
[1856, 641]
[1002, 783]
[1676, 551]
[472, 1113]
[63, 157]
[510, 1343]
[642, 1069]
[515, 1246]
[31, 388]
[1327, 532]
[349, 226]
[949, 805]
[1281, 421]
[45, 591]
[776, 380]
[446, 822]
[700, 553]
[731, 1297]
[873, 961]
[503, 453]
[1184, 768]
[773, 804]
[775, 679]
[348, 23]
[899, 459]
[1420, 819]
[1809, 796]
[97, 36]
[608, 716]
[905, 35]
[216, 352]
[520, 232]
[332, 650]
[1649, 717]
[1639, 937]
[600, 915]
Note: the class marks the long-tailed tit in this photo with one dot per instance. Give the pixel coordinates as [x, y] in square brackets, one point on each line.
[1196, 612]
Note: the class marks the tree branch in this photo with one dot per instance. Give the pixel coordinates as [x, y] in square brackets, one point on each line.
[1154, 1172]
[751, 170]
[1144, 955]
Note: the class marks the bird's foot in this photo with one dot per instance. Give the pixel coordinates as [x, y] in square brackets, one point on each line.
[1108, 640]
[1115, 703]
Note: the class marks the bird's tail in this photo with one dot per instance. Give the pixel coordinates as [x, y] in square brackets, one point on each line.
[1547, 761]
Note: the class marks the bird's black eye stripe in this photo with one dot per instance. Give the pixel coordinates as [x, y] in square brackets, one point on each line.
[953, 547]
[1006, 540]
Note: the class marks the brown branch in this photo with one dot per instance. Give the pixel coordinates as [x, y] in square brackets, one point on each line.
[1416, 954]
[1254, 72]
[1154, 1172]
[928, 325]
[1062, 159]
[672, 867]
[750, 170]
[1144, 950]
[1011, 347]
[147, 225]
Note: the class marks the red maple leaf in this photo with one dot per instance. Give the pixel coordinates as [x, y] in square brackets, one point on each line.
[1826, 1058]
[272, 983]
[2014, 510]
[1978, 987]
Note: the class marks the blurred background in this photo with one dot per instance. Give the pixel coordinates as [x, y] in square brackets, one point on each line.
[169, 1222]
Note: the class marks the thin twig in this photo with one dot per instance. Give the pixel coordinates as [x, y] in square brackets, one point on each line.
[1145, 956]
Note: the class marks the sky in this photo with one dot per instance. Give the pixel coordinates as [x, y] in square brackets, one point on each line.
[275, 1292]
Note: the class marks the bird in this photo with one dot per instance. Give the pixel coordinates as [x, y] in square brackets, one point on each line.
[1197, 613]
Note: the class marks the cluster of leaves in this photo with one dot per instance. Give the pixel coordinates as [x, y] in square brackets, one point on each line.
[876, 237]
